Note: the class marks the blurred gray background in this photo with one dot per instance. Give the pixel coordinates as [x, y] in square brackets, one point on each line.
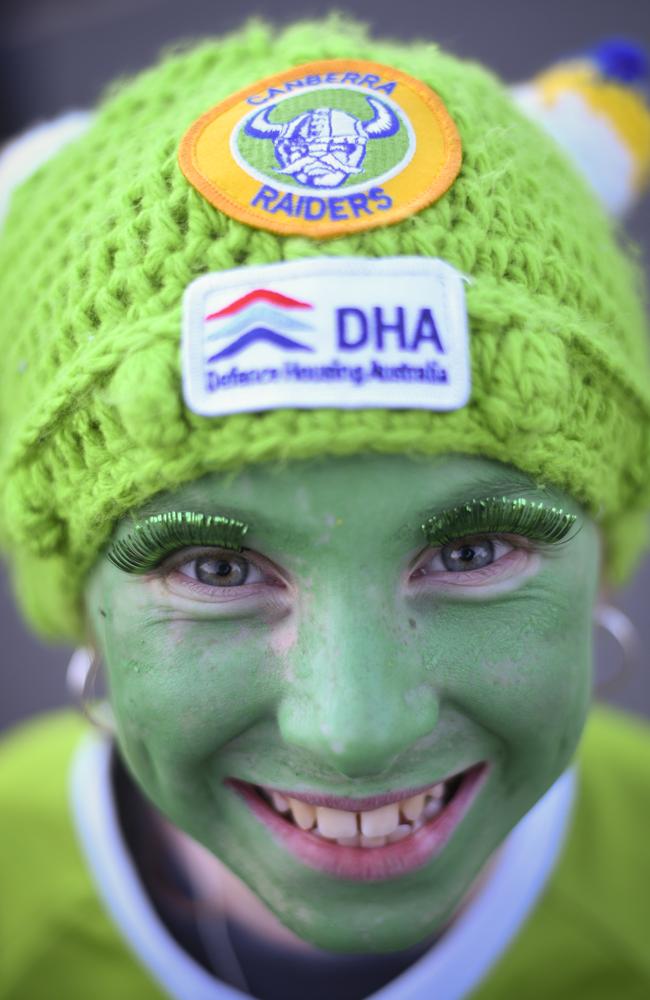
[60, 54]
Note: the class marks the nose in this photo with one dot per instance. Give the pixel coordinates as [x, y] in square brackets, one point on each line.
[360, 695]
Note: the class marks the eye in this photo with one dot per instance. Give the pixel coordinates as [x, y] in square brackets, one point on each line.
[465, 555]
[215, 580]
[221, 569]
[458, 557]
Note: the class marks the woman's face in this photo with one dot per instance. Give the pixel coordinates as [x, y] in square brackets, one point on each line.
[342, 654]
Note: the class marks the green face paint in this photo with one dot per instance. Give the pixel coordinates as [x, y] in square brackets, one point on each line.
[161, 534]
[341, 652]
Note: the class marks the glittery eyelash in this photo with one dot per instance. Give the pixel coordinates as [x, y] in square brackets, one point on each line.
[499, 514]
[161, 534]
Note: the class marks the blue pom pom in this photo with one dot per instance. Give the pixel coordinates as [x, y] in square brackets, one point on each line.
[620, 59]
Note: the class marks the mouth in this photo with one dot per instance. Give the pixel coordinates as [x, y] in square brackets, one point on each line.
[368, 839]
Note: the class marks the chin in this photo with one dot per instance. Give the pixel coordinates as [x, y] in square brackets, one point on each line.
[379, 933]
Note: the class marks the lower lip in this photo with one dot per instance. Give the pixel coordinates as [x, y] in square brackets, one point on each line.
[368, 864]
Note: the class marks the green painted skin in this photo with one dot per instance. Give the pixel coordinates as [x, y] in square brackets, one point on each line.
[343, 671]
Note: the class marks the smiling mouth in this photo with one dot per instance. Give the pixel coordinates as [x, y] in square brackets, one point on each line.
[366, 827]
[398, 834]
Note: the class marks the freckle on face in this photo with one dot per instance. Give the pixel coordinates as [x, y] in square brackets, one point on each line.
[285, 637]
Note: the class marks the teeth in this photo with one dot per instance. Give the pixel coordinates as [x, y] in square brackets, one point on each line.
[380, 822]
[303, 814]
[432, 808]
[372, 841]
[402, 831]
[377, 826]
[411, 808]
[280, 803]
[349, 841]
[336, 823]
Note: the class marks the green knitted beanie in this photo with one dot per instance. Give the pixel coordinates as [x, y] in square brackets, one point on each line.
[102, 241]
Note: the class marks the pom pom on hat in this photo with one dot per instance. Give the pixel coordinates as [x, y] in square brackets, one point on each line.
[619, 59]
[595, 107]
[22, 157]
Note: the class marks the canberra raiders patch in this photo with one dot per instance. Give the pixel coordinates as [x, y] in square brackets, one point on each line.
[324, 149]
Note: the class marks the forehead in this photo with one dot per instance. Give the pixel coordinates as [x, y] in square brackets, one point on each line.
[361, 491]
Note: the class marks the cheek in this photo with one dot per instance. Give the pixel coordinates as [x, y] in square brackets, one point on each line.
[540, 686]
[521, 670]
[180, 690]
[282, 642]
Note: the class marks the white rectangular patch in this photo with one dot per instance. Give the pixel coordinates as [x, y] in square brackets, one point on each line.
[341, 332]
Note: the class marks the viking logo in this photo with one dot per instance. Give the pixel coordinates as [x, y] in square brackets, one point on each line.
[323, 147]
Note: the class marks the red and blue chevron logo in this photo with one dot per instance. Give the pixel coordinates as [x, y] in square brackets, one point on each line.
[260, 316]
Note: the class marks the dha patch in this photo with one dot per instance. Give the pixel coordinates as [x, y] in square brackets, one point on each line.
[341, 332]
[324, 149]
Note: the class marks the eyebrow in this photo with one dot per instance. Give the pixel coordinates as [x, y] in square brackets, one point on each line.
[534, 519]
[480, 486]
[218, 510]
[260, 526]
[150, 540]
[485, 490]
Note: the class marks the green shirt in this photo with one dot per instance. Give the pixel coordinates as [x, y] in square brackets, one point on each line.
[587, 936]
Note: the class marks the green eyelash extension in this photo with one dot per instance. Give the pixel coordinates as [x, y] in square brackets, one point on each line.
[149, 542]
[494, 514]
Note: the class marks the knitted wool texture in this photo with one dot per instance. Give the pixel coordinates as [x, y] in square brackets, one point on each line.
[102, 241]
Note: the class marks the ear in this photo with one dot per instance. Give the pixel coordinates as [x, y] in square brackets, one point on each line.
[595, 108]
[23, 155]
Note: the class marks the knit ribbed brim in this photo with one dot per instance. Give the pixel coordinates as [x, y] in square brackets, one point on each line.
[102, 241]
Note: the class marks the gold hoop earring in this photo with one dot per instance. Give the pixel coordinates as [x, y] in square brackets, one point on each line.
[80, 677]
[623, 630]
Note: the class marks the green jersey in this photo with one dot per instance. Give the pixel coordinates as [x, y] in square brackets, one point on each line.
[566, 916]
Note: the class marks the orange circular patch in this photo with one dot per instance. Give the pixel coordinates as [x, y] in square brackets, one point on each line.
[324, 149]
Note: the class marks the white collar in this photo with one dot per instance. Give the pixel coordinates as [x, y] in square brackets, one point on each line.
[450, 970]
